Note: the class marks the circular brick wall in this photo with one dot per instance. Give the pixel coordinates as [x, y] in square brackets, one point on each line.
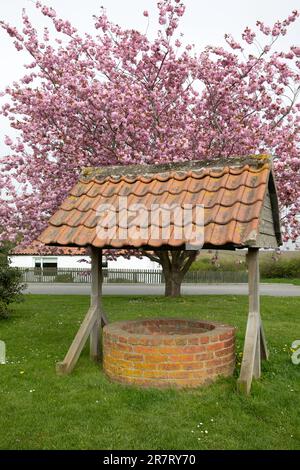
[168, 352]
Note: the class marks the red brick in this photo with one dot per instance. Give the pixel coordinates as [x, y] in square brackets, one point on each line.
[204, 339]
[213, 362]
[229, 342]
[226, 335]
[178, 374]
[167, 350]
[154, 373]
[133, 357]
[145, 365]
[214, 338]
[181, 349]
[204, 356]
[194, 365]
[145, 349]
[120, 363]
[149, 341]
[215, 346]
[182, 358]
[225, 352]
[169, 366]
[155, 358]
[194, 341]
[124, 347]
[122, 339]
[193, 349]
[116, 353]
[181, 341]
[169, 341]
[133, 373]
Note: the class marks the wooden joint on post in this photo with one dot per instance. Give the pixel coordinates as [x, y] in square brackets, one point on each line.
[104, 319]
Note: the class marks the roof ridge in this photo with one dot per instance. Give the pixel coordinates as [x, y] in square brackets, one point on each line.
[254, 161]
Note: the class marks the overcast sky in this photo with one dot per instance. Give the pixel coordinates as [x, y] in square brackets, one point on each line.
[205, 22]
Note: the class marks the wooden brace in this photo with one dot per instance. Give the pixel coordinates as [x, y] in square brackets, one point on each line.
[92, 323]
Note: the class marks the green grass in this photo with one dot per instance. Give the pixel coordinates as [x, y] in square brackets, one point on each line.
[86, 411]
[281, 280]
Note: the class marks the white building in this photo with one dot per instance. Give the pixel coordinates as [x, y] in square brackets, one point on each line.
[30, 258]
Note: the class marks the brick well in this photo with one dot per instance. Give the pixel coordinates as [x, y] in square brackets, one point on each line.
[168, 352]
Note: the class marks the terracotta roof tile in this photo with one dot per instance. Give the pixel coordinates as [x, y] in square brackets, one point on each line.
[232, 195]
[38, 249]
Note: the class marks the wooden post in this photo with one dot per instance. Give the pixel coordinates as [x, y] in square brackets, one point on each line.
[96, 300]
[254, 304]
[255, 346]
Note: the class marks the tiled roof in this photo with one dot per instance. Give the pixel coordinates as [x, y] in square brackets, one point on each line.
[231, 191]
[39, 249]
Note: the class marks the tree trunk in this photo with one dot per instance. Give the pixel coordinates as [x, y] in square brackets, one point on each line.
[172, 284]
[175, 264]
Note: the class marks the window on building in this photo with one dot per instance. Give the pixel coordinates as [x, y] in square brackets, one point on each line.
[46, 266]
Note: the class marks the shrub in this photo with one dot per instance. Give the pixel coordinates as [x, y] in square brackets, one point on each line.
[207, 264]
[67, 277]
[121, 280]
[11, 284]
[203, 264]
[281, 268]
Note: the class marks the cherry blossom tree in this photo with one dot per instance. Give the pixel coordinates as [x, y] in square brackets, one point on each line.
[116, 97]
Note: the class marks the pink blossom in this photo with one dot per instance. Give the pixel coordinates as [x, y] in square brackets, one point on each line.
[48, 12]
[231, 42]
[18, 45]
[296, 51]
[8, 141]
[119, 97]
[248, 35]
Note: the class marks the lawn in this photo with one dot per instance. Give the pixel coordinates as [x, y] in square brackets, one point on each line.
[40, 410]
[281, 280]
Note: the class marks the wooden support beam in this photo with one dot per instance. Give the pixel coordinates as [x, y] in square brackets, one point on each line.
[255, 347]
[247, 367]
[257, 356]
[96, 301]
[263, 342]
[78, 343]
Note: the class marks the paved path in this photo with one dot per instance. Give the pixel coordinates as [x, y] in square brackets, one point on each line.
[141, 289]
